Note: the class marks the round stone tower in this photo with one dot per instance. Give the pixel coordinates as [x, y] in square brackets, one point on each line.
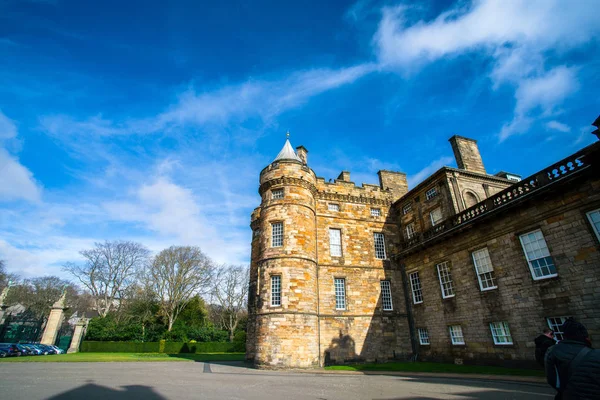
[283, 306]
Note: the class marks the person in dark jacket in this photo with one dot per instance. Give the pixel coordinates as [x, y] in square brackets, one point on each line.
[542, 343]
[573, 366]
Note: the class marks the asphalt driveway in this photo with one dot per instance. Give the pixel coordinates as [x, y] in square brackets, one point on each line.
[197, 380]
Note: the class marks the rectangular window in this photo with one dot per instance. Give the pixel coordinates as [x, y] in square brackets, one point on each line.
[410, 230]
[335, 242]
[538, 256]
[423, 336]
[333, 207]
[379, 245]
[436, 216]
[484, 269]
[456, 334]
[277, 194]
[340, 293]
[375, 212]
[445, 280]
[415, 285]
[407, 208]
[386, 296]
[275, 290]
[431, 193]
[555, 323]
[501, 333]
[277, 234]
[594, 218]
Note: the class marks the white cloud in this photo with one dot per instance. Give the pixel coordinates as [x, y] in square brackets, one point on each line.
[516, 35]
[415, 179]
[263, 99]
[558, 126]
[8, 129]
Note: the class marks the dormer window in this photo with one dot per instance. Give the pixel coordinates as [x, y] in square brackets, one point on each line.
[431, 193]
[276, 194]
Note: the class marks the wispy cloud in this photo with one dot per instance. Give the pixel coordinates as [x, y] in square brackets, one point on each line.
[558, 126]
[415, 179]
[516, 35]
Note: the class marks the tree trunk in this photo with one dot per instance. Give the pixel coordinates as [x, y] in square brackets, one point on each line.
[171, 321]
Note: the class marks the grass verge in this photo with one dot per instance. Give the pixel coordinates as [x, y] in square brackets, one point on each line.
[127, 357]
[436, 367]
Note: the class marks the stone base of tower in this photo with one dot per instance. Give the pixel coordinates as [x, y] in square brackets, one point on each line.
[285, 340]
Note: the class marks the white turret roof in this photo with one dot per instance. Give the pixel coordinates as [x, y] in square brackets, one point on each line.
[287, 153]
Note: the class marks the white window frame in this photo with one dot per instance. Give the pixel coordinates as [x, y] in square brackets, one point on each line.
[379, 242]
[333, 207]
[407, 208]
[433, 221]
[595, 224]
[275, 290]
[431, 193]
[445, 278]
[456, 334]
[410, 230]
[423, 336]
[555, 323]
[277, 194]
[484, 269]
[386, 295]
[415, 287]
[545, 250]
[375, 212]
[335, 243]
[277, 234]
[501, 331]
[339, 286]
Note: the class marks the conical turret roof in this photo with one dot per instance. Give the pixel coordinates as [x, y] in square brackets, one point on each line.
[287, 153]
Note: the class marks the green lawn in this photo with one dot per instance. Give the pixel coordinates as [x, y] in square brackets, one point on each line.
[436, 367]
[132, 357]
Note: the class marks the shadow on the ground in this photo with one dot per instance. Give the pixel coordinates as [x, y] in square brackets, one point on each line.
[234, 360]
[91, 391]
[466, 388]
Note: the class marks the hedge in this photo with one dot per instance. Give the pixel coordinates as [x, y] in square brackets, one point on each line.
[161, 347]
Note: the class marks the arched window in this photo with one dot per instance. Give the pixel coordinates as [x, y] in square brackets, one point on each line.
[470, 199]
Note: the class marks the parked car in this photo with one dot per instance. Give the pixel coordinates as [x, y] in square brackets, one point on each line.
[58, 349]
[11, 350]
[46, 348]
[34, 351]
[24, 350]
[3, 353]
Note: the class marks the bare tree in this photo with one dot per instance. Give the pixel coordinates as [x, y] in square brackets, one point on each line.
[109, 268]
[177, 274]
[230, 290]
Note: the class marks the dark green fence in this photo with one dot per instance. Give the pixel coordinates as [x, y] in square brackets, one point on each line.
[162, 347]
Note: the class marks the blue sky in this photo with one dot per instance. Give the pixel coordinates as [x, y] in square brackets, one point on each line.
[151, 121]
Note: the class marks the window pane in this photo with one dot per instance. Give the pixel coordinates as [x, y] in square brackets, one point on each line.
[431, 193]
[410, 230]
[333, 207]
[275, 290]
[484, 269]
[375, 212]
[555, 323]
[340, 293]
[456, 334]
[277, 237]
[379, 245]
[445, 279]
[537, 254]
[277, 194]
[386, 295]
[407, 208]
[436, 216]
[415, 285]
[594, 218]
[335, 242]
[423, 335]
[501, 333]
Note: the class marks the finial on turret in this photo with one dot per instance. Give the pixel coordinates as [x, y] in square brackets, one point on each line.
[287, 134]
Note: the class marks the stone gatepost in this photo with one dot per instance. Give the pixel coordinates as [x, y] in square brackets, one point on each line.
[3, 306]
[54, 320]
[78, 335]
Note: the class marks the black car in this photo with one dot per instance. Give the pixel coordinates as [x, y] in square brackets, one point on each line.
[46, 349]
[24, 350]
[10, 349]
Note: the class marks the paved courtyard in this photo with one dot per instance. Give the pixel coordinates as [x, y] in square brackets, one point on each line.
[175, 380]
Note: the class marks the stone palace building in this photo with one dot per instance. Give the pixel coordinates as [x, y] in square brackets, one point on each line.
[466, 267]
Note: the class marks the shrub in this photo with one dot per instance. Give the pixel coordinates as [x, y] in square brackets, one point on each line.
[161, 347]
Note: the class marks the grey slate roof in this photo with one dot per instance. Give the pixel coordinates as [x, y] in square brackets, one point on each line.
[287, 153]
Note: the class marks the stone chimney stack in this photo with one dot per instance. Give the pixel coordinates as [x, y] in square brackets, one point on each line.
[302, 153]
[394, 181]
[466, 153]
[344, 176]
